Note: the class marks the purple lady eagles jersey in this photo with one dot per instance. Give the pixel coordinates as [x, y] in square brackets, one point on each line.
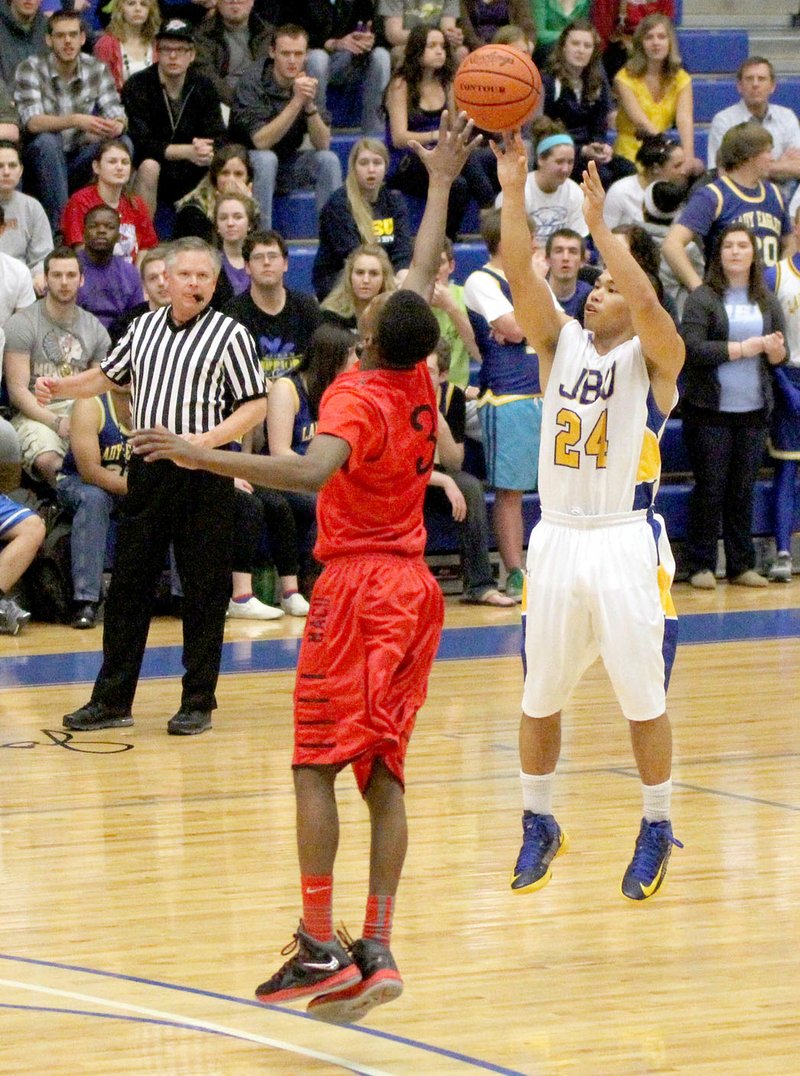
[761, 209]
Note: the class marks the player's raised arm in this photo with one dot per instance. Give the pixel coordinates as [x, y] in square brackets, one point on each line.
[444, 162]
[534, 308]
[662, 346]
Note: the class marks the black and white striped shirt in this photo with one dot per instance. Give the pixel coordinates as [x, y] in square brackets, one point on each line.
[190, 377]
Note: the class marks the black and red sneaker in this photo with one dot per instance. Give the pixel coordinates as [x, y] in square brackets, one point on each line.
[380, 982]
[316, 968]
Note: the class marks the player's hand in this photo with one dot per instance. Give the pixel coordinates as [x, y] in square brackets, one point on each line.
[512, 161]
[594, 196]
[456, 499]
[243, 485]
[445, 159]
[44, 389]
[160, 444]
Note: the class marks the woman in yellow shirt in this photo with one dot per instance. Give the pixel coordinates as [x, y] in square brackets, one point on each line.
[654, 92]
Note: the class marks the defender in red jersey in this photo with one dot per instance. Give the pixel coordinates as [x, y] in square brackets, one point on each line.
[376, 612]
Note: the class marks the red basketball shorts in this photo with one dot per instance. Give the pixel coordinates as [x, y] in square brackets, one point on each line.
[371, 636]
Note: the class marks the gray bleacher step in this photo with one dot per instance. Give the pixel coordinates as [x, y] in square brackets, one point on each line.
[782, 47]
[725, 14]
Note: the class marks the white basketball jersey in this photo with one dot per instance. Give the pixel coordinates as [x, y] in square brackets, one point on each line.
[787, 289]
[599, 452]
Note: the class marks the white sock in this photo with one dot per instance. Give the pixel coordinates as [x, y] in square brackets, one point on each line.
[656, 800]
[537, 792]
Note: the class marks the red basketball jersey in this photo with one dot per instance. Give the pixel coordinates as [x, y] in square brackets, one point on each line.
[374, 503]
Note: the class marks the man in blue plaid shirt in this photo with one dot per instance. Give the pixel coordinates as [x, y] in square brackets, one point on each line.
[67, 104]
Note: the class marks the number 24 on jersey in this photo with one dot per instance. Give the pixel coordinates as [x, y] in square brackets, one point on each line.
[570, 445]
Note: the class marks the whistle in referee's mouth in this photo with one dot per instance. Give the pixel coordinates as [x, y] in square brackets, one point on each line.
[197, 297]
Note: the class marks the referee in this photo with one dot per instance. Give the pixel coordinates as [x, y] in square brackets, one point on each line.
[196, 372]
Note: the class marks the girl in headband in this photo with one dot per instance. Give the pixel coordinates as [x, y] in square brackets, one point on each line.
[552, 199]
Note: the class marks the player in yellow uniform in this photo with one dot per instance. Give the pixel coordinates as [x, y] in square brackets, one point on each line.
[599, 565]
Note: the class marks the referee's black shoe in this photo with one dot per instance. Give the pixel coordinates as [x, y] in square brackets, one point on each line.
[95, 716]
[189, 722]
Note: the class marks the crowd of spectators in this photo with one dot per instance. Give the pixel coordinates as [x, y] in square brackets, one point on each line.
[178, 120]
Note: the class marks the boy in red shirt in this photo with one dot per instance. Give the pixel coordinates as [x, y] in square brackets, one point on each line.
[376, 611]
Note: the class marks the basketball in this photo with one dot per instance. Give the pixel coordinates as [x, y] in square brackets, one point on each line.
[498, 87]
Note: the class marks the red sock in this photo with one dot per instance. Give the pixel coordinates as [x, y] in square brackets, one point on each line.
[318, 905]
[378, 918]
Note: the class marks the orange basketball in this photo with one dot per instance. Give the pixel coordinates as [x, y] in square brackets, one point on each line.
[498, 87]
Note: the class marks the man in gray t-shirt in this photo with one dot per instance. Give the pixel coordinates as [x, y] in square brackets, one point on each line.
[51, 338]
[401, 16]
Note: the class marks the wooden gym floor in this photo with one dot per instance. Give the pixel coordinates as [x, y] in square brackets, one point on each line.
[148, 883]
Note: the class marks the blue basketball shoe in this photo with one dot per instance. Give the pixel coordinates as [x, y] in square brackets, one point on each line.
[542, 840]
[648, 868]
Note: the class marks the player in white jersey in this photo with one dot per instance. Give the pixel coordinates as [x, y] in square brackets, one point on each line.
[599, 565]
[784, 436]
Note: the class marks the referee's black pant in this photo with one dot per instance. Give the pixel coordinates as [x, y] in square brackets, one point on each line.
[194, 510]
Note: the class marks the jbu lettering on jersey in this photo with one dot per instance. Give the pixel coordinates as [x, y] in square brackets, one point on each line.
[591, 385]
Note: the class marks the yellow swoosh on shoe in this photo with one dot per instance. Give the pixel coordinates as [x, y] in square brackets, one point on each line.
[649, 890]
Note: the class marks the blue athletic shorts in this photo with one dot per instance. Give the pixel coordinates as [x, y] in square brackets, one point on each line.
[511, 428]
[11, 514]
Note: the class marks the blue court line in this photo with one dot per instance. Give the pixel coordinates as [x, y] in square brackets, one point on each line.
[402, 1040]
[277, 655]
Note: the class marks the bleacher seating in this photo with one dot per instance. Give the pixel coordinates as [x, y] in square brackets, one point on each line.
[712, 51]
[344, 106]
[711, 95]
[416, 207]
